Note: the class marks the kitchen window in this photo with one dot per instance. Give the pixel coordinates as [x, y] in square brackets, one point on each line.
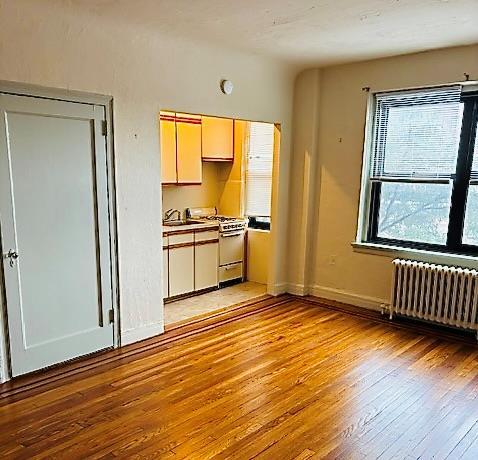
[258, 172]
[421, 175]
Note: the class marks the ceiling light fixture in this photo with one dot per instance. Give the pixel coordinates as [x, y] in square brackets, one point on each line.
[227, 86]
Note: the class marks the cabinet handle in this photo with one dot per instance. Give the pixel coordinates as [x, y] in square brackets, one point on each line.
[228, 235]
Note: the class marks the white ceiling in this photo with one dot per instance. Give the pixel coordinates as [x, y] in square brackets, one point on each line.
[306, 31]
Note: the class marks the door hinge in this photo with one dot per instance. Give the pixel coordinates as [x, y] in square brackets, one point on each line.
[111, 316]
[104, 128]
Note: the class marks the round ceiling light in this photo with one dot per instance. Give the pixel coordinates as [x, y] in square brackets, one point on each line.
[227, 87]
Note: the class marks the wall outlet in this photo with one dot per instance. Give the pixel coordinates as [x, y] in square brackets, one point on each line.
[332, 259]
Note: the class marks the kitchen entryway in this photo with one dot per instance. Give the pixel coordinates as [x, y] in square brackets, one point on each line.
[217, 194]
[190, 308]
[54, 208]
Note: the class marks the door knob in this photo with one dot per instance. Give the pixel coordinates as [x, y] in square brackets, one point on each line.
[13, 256]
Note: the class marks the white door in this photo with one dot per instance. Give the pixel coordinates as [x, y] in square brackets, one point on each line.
[181, 270]
[54, 230]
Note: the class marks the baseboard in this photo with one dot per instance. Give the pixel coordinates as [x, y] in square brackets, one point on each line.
[297, 289]
[370, 303]
[277, 289]
[141, 333]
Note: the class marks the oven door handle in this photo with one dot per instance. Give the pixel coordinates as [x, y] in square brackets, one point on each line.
[228, 235]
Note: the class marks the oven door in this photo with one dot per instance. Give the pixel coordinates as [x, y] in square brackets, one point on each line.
[231, 247]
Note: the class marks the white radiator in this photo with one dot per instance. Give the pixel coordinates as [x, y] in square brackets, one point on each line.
[438, 293]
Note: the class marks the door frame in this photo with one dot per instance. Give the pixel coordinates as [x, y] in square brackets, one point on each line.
[20, 89]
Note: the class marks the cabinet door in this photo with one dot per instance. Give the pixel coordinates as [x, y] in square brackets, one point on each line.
[188, 132]
[206, 265]
[167, 136]
[217, 139]
[165, 274]
[181, 270]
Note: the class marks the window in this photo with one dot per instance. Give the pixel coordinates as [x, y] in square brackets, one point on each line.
[259, 160]
[422, 184]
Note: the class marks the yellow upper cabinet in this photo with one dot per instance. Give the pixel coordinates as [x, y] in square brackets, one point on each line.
[167, 129]
[217, 139]
[188, 148]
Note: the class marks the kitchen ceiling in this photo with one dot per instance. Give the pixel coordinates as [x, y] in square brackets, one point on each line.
[318, 32]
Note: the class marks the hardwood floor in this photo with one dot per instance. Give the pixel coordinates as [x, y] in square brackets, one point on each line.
[288, 381]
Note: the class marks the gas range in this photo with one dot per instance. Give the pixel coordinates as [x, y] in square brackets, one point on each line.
[232, 232]
[226, 223]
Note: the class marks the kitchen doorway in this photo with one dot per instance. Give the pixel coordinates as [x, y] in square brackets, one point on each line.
[229, 242]
[57, 239]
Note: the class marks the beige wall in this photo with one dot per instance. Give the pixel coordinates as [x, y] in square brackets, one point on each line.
[339, 272]
[231, 176]
[258, 253]
[303, 203]
[69, 45]
[193, 196]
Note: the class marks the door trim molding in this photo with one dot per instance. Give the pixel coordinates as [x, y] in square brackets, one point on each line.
[23, 89]
[45, 92]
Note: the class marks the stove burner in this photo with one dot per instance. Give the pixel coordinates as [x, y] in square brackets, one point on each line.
[221, 218]
[226, 223]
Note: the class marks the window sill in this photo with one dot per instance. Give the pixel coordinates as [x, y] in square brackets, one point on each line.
[416, 254]
[259, 230]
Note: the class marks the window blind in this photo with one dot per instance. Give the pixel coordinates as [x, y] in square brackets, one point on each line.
[474, 169]
[259, 160]
[417, 134]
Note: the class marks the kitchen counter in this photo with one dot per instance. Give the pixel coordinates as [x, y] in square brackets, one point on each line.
[171, 229]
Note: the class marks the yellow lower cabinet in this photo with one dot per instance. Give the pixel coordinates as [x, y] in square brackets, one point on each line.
[181, 270]
[165, 273]
[181, 264]
[206, 265]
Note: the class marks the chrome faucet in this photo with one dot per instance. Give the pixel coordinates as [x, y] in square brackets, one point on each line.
[168, 215]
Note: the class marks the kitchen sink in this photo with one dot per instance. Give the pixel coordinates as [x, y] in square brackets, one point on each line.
[179, 223]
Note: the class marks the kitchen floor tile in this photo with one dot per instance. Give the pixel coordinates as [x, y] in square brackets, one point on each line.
[183, 309]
